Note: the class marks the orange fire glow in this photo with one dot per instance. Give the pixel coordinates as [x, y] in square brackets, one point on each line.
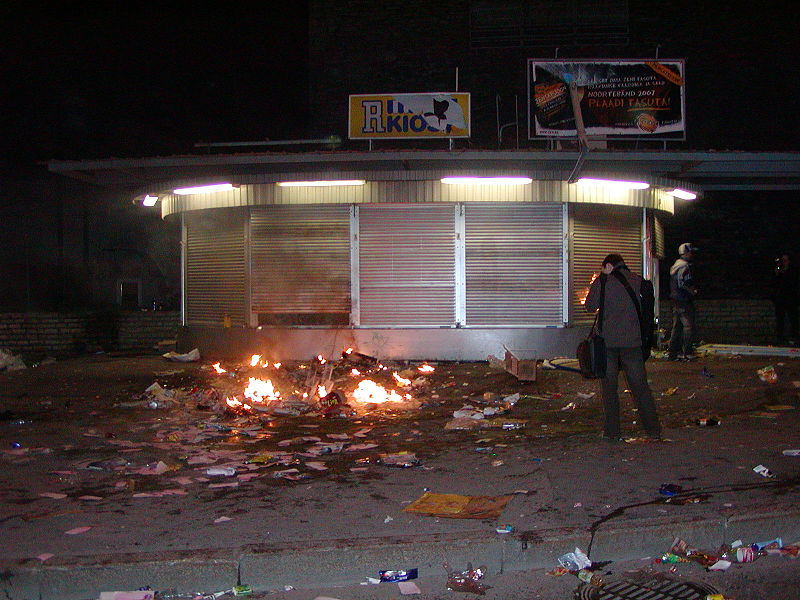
[370, 392]
[234, 403]
[322, 391]
[355, 372]
[261, 391]
[401, 381]
[254, 360]
[348, 351]
[582, 297]
[425, 369]
[218, 368]
[321, 359]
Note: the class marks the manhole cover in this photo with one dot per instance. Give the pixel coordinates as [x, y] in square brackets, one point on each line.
[652, 587]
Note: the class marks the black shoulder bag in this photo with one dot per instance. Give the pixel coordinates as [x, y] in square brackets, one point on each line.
[644, 301]
[591, 352]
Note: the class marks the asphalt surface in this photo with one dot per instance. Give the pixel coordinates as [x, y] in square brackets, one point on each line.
[77, 449]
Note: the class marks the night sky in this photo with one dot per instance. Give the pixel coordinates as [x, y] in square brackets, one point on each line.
[104, 79]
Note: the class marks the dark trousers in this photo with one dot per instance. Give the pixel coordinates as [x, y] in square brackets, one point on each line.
[683, 328]
[784, 312]
[632, 364]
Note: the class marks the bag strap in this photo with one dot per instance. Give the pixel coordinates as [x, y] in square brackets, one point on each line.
[624, 281]
[598, 316]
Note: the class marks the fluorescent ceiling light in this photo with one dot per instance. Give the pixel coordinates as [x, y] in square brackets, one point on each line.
[321, 183]
[613, 183]
[204, 189]
[149, 200]
[683, 194]
[487, 180]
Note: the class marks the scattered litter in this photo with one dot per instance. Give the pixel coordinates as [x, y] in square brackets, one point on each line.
[402, 460]
[570, 406]
[505, 529]
[669, 489]
[708, 421]
[456, 506]
[768, 374]
[785, 453]
[221, 519]
[683, 500]
[706, 373]
[583, 396]
[388, 519]
[59, 495]
[763, 471]
[779, 407]
[395, 576]
[221, 471]
[574, 561]
[77, 530]
[45, 556]
[467, 580]
[137, 595]
[670, 391]
[408, 588]
[191, 356]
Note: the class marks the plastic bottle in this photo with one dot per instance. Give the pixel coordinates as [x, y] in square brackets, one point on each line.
[589, 577]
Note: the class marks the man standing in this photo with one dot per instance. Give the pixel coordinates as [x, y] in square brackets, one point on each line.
[682, 292]
[617, 293]
[784, 295]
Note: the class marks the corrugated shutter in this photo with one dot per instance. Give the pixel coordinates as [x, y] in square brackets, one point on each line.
[596, 232]
[300, 261]
[658, 237]
[215, 267]
[407, 258]
[514, 264]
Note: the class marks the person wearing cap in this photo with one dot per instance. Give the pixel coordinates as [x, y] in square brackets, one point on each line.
[682, 291]
[622, 333]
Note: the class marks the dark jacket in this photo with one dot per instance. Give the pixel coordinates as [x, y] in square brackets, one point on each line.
[620, 326]
[681, 283]
[784, 286]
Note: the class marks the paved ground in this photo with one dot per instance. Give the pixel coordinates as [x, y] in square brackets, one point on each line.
[80, 449]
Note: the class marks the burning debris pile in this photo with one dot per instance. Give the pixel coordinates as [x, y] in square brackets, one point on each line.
[344, 388]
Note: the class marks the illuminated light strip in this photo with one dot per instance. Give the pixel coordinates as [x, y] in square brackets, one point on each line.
[149, 200]
[486, 180]
[683, 194]
[321, 183]
[204, 189]
[613, 183]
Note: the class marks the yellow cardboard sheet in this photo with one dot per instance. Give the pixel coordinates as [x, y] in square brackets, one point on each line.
[456, 506]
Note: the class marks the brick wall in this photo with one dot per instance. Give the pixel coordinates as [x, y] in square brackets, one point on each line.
[62, 334]
[730, 321]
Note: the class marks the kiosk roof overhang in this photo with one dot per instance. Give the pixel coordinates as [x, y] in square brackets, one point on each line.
[706, 170]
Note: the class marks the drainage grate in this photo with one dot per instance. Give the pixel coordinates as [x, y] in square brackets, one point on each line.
[654, 587]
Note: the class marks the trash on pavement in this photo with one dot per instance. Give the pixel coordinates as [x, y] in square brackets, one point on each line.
[395, 576]
[763, 471]
[791, 452]
[136, 595]
[574, 561]
[505, 529]
[402, 460]
[683, 500]
[708, 422]
[191, 356]
[456, 506]
[768, 374]
[9, 362]
[669, 489]
[77, 530]
[467, 580]
[408, 588]
[221, 471]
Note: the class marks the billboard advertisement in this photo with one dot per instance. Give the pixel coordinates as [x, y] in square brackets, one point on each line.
[617, 97]
[409, 116]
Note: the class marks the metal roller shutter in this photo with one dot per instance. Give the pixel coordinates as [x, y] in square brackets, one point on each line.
[406, 257]
[215, 268]
[596, 232]
[514, 264]
[300, 264]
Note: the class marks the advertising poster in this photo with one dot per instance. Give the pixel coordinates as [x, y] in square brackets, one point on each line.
[617, 97]
[409, 116]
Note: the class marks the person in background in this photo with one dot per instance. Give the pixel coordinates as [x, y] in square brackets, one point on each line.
[622, 332]
[682, 292]
[784, 295]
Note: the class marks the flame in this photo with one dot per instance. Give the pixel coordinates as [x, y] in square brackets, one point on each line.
[321, 359]
[355, 372]
[425, 369]
[218, 369]
[261, 391]
[401, 381]
[254, 360]
[582, 297]
[322, 391]
[234, 403]
[370, 392]
[348, 351]
[277, 365]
